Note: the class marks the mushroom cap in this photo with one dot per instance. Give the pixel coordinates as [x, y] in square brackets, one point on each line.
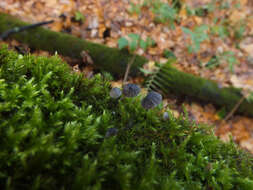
[111, 132]
[115, 92]
[131, 90]
[166, 116]
[151, 100]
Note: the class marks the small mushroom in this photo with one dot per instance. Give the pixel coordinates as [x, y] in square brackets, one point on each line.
[115, 93]
[131, 90]
[111, 132]
[151, 100]
[166, 116]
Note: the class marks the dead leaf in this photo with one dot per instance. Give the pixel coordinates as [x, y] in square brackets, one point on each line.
[76, 69]
[247, 48]
[86, 58]
[245, 82]
[57, 26]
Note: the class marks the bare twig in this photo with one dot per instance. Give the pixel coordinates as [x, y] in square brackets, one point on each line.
[22, 28]
[133, 57]
[231, 113]
[128, 68]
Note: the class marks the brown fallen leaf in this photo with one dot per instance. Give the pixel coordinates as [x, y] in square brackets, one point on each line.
[86, 58]
[76, 69]
[88, 72]
[247, 144]
[247, 48]
[245, 82]
[57, 26]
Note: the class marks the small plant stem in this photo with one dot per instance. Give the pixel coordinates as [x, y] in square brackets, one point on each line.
[231, 113]
[132, 59]
[128, 68]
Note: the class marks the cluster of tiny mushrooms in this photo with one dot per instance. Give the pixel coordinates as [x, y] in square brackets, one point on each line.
[131, 90]
[151, 100]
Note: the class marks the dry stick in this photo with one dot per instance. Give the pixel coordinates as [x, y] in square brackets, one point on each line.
[132, 60]
[4, 35]
[128, 68]
[230, 114]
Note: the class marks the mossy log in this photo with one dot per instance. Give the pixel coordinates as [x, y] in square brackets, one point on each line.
[109, 59]
[170, 80]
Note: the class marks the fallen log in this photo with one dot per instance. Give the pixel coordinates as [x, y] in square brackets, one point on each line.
[168, 79]
[109, 59]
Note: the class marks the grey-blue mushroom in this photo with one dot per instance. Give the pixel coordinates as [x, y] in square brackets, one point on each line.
[151, 100]
[131, 90]
[111, 132]
[115, 93]
[166, 116]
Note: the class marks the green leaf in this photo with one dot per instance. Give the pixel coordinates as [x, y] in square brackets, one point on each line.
[132, 46]
[250, 97]
[145, 71]
[135, 8]
[122, 43]
[164, 13]
[134, 38]
[239, 31]
[189, 11]
[201, 28]
[230, 58]
[214, 61]
[168, 54]
[187, 31]
[79, 16]
[150, 42]
[222, 113]
[190, 48]
[143, 44]
[197, 36]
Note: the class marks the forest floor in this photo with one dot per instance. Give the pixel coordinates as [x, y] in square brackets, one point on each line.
[218, 47]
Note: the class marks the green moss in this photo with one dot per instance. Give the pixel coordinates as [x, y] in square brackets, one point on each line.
[53, 125]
